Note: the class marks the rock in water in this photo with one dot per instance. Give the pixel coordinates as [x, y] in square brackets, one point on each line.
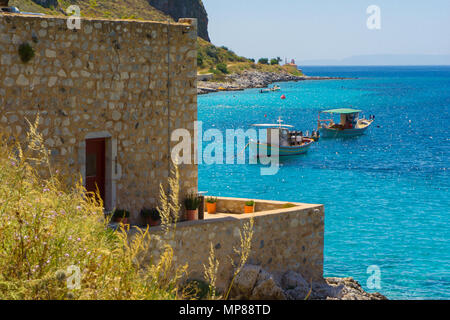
[351, 290]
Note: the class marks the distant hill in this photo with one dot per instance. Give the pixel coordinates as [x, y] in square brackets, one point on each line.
[383, 59]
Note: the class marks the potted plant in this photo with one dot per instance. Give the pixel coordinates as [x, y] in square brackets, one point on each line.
[211, 205]
[249, 206]
[191, 203]
[121, 216]
[151, 216]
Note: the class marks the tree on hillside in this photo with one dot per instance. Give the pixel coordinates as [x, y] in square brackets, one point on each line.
[276, 60]
[222, 67]
[263, 61]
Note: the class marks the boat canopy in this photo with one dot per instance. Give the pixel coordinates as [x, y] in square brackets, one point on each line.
[276, 125]
[342, 111]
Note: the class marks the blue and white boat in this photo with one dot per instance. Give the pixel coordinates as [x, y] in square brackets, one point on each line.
[349, 125]
[290, 142]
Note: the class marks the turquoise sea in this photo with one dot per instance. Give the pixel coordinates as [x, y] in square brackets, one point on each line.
[386, 194]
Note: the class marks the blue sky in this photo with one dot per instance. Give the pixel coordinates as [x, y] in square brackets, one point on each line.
[329, 29]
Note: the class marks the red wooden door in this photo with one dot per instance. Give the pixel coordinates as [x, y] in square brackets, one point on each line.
[95, 166]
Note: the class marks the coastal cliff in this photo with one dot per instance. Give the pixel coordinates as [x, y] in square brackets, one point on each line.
[183, 9]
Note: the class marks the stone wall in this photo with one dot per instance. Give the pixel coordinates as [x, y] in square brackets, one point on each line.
[284, 239]
[109, 79]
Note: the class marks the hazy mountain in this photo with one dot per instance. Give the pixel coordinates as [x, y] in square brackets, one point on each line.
[383, 59]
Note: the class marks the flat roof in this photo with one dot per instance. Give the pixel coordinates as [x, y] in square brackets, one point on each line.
[342, 110]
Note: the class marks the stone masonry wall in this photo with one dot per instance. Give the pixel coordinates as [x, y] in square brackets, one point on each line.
[284, 239]
[108, 79]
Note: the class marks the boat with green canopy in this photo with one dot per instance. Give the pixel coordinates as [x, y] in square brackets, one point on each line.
[349, 123]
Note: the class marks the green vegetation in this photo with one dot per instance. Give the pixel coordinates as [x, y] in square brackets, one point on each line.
[275, 61]
[192, 202]
[121, 213]
[222, 67]
[211, 199]
[215, 58]
[263, 61]
[250, 203]
[151, 213]
[50, 231]
[26, 52]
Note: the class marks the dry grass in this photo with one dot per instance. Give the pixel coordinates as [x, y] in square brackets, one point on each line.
[47, 230]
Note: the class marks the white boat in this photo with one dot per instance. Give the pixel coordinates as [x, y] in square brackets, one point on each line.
[350, 124]
[290, 142]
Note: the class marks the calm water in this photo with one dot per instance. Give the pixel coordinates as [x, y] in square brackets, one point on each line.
[386, 194]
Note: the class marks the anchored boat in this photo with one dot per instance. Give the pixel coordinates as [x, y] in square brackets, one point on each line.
[272, 89]
[349, 125]
[290, 142]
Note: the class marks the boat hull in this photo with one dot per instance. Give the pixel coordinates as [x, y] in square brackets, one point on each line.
[262, 149]
[339, 133]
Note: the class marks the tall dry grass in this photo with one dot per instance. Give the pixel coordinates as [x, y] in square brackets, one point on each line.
[49, 232]
[55, 242]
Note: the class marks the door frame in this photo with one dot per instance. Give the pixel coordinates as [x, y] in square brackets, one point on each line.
[112, 167]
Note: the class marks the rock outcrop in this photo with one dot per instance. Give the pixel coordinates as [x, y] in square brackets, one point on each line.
[185, 9]
[254, 283]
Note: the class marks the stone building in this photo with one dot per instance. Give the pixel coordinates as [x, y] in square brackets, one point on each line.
[108, 96]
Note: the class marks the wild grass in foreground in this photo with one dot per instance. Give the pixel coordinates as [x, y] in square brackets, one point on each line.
[55, 243]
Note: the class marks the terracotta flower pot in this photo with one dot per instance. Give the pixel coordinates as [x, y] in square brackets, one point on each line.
[211, 207]
[249, 209]
[192, 214]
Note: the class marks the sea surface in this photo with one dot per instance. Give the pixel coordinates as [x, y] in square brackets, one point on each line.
[386, 194]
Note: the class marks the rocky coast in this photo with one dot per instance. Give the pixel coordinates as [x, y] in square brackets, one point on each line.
[254, 283]
[252, 79]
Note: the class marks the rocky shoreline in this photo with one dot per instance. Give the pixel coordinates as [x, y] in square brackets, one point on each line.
[253, 79]
[254, 283]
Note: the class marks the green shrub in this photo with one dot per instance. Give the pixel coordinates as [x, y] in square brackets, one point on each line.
[250, 203]
[121, 213]
[192, 202]
[222, 67]
[199, 59]
[151, 213]
[211, 199]
[26, 52]
[212, 52]
[263, 61]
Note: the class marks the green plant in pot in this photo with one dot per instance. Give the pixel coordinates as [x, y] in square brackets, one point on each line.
[151, 216]
[121, 216]
[249, 206]
[192, 202]
[211, 205]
